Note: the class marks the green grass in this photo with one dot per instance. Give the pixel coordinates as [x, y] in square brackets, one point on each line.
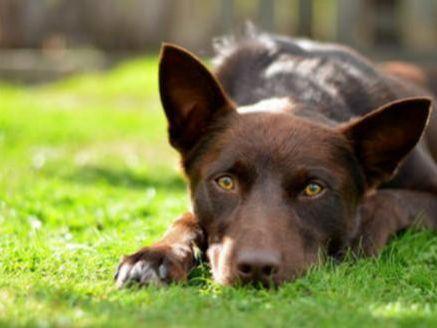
[86, 175]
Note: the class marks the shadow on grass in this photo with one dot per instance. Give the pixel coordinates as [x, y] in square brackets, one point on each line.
[124, 178]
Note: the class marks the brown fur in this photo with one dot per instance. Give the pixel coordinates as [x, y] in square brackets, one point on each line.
[377, 177]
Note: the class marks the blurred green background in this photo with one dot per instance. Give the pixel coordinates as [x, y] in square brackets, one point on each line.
[45, 39]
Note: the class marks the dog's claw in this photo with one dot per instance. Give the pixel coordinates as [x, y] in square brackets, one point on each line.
[122, 274]
[163, 272]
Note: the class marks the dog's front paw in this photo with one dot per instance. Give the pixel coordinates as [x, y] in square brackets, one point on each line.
[157, 265]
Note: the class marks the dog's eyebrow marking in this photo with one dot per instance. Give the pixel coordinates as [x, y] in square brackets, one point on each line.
[272, 105]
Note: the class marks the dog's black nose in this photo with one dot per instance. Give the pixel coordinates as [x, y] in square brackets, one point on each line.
[258, 266]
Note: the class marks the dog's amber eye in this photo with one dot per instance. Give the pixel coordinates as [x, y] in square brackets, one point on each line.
[312, 189]
[226, 182]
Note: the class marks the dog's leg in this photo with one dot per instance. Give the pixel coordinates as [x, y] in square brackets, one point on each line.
[390, 211]
[169, 260]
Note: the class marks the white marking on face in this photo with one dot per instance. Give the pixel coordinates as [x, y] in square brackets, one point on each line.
[219, 255]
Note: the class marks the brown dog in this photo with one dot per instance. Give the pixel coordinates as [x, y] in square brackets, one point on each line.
[292, 149]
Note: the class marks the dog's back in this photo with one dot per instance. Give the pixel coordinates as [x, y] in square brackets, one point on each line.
[335, 80]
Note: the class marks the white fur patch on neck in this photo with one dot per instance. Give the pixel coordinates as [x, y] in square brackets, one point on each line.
[272, 105]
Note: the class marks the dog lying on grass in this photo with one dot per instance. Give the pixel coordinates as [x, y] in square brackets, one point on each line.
[292, 149]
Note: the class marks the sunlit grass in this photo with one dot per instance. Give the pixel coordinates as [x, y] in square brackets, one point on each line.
[86, 175]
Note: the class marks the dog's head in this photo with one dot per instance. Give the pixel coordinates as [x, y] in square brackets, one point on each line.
[271, 189]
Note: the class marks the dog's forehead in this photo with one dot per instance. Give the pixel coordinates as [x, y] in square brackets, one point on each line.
[279, 138]
[279, 132]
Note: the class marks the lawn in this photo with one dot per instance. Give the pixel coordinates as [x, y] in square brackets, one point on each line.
[86, 175]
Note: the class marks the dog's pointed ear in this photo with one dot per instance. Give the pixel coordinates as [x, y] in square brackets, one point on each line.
[191, 96]
[382, 138]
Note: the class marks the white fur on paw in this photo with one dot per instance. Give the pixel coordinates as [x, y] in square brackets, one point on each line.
[140, 272]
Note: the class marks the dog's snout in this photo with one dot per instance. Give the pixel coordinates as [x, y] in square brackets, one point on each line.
[257, 266]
